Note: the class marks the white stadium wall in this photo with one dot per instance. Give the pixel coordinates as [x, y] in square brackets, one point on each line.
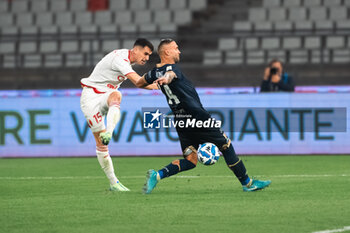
[33, 124]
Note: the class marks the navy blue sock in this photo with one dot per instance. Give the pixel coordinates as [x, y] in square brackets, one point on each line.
[236, 165]
[175, 167]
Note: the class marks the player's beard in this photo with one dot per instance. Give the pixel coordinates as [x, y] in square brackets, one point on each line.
[177, 59]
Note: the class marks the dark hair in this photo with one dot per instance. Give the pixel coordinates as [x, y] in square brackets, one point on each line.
[275, 60]
[164, 42]
[143, 43]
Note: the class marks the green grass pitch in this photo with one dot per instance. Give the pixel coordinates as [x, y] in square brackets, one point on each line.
[307, 194]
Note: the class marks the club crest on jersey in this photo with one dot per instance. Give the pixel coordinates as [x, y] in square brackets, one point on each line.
[121, 78]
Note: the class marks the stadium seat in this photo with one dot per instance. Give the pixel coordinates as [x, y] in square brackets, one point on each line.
[74, 60]
[6, 20]
[112, 28]
[110, 45]
[291, 43]
[255, 57]
[271, 3]
[4, 6]
[234, 57]
[128, 44]
[118, 5]
[88, 29]
[157, 5]
[197, 4]
[263, 26]
[297, 14]
[335, 42]
[298, 56]
[10, 31]
[69, 46]
[337, 13]
[312, 42]
[315, 56]
[143, 16]
[38, 6]
[324, 25]
[155, 43]
[341, 56]
[276, 54]
[303, 25]
[52, 60]
[58, 6]
[177, 4]
[44, 19]
[103, 18]
[78, 5]
[212, 58]
[243, 26]
[128, 28]
[64, 18]
[331, 2]
[312, 3]
[283, 26]
[24, 19]
[123, 17]
[83, 18]
[27, 47]
[161, 17]
[292, 3]
[88, 46]
[227, 43]
[49, 30]
[277, 14]
[251, 43]
[270, 43]
[68, 29]
[19, 6]
[48, 47]
[29, 30]
[317, 13]
[167, 28]
[7, 47]
[137, 4]
[32, 61]
[182, 16]
[9, 61]
[147, 28]
[257, 14]
[343, 24]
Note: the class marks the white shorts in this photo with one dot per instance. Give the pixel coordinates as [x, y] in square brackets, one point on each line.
[94, 107]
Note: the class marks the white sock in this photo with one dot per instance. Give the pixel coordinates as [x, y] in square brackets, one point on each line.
[107, 166]
[113, 116]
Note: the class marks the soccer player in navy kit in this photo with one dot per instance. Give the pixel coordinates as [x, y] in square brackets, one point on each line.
[184, 102]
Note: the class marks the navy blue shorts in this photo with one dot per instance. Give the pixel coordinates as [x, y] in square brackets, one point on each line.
[191, 137]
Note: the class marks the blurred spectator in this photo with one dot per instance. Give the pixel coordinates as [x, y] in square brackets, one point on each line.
[275, 79]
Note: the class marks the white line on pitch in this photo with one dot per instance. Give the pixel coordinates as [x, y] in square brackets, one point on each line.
[346, 228]
[136, 177]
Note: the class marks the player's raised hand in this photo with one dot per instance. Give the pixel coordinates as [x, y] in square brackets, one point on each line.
[163, 80]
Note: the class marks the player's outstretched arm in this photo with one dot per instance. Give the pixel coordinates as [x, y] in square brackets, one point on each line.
[140, 82]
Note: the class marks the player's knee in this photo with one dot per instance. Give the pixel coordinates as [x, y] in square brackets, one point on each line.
[115, 96]
[224, 147]
[190, 154]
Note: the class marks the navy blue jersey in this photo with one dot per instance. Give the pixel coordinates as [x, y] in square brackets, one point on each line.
[181, 95]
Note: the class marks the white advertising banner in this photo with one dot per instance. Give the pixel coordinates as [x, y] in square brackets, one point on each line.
[275, 123]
